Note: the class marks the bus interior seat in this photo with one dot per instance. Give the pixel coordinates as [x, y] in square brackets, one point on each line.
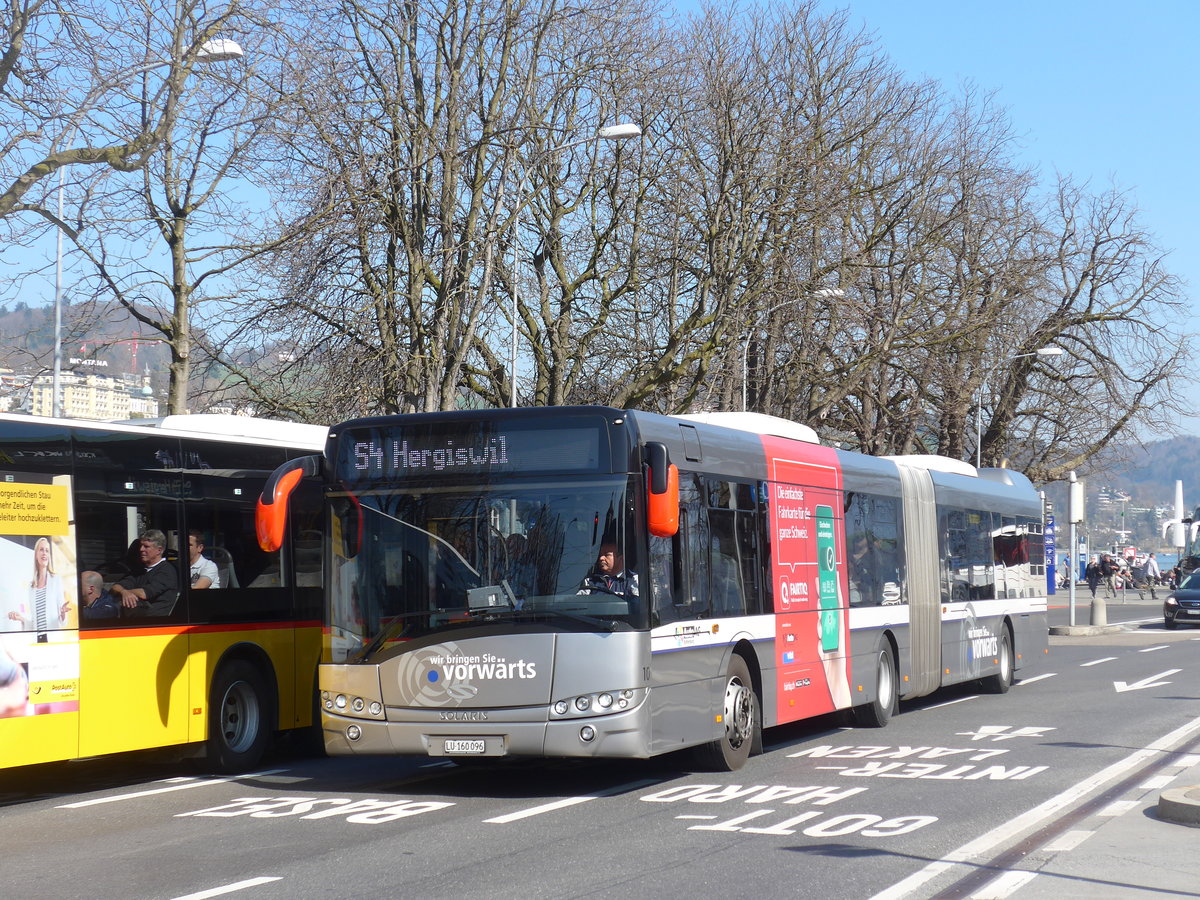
[224, 561]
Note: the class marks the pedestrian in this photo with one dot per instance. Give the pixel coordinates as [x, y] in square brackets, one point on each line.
[1092, 574]
[1152, 574]
[1108, 570]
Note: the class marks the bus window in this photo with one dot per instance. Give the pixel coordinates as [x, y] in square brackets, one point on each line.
[108, 535]
[681, 563]
[218, 481]
[874, 550]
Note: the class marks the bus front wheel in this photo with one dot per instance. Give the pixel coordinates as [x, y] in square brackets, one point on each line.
[741, 717]
[877, 713]
[239, 718]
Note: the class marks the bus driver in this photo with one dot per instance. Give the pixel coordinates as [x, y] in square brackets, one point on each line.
[610, 575]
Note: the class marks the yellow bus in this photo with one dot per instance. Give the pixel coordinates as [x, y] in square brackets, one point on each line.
[219, 665]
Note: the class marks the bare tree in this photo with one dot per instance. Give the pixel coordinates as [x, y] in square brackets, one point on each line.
[87, 83]
[173, 242]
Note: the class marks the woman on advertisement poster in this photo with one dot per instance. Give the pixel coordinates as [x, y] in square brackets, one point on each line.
[46, 607]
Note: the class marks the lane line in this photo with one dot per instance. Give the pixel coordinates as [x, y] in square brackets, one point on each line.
[538, 810]
[950, 703]
[166, 790]
[230, 888]
[1096, 662]
[1119, 808]
[1004, 886]
[570, 801]
[1036, 678]
[1152, 649]
[976, 848]
[1158, 782]
[1068, 840]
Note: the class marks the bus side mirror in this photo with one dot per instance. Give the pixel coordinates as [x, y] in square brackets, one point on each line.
[271, 513]
[347, 525]
[662, 499]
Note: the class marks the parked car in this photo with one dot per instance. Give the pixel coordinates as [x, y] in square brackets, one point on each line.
[1182, 606]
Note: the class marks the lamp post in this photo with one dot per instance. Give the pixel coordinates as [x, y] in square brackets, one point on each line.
[608, 133]
[1040, 351]
[214, 50]
[822, 293]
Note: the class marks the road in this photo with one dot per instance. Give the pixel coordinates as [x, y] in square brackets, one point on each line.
[826, 811]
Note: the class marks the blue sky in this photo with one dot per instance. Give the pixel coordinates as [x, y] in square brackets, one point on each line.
[1107, 92]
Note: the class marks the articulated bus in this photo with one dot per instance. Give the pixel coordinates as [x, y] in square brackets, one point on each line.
[593, 582]
[216, 670]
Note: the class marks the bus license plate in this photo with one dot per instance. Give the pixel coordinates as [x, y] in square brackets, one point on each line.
[460, 746]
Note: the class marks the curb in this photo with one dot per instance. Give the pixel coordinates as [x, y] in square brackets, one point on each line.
[1180, 805]
[1084, 630]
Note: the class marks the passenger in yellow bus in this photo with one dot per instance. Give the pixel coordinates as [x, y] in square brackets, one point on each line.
[94, 601]
[204, 572]
[47, 607]
[610, 575]
[153, 592]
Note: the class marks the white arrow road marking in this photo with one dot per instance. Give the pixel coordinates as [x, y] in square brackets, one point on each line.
[1123, 686]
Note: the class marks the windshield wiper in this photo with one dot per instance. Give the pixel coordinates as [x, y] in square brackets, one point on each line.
[571, 615]
[393, 629]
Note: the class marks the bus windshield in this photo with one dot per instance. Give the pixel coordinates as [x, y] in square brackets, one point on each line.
[412, 562]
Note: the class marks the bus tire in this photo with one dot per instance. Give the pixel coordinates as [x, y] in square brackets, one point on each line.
[877, 713]
[1002, 680]
[240, 714]
[742, 719]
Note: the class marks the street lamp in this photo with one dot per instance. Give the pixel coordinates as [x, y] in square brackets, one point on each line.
[822, 294]
[214, 50]
[608, 133]
[1040, 351]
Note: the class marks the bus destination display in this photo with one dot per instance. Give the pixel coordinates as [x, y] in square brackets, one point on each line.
[425, 453]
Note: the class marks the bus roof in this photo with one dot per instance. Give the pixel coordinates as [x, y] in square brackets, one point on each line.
[756, 423]
[214, 426]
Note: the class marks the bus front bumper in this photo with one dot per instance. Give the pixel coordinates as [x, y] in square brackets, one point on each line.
[624, 734]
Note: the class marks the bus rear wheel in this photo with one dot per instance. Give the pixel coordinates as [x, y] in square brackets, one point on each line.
[742, 718]
[1002, 680]
[240, 713]
[877, 713]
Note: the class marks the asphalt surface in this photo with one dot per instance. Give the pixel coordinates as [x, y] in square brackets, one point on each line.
[1151, 846]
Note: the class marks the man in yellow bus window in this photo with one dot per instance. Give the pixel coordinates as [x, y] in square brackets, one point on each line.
[203, 572]
[95, 602]
[154, 591]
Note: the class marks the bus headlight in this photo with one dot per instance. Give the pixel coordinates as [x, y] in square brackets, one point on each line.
[340, 701]
[597, 704]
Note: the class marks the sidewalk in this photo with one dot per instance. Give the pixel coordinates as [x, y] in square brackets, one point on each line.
[1134, 848]
[1143, 845]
